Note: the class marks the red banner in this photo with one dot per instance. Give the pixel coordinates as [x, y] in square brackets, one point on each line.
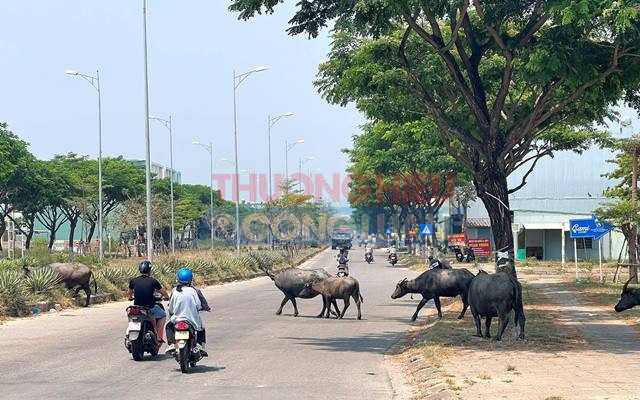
[456, 239]
[481, 247]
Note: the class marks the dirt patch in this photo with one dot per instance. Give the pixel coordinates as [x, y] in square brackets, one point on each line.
[558, 360]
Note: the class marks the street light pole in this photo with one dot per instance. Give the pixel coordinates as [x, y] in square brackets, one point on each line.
[272, 122]
[302, 162]
[168, 123]
[146, 138]
[288, 146]
[237, 80]
[95, 82]
[209, 148]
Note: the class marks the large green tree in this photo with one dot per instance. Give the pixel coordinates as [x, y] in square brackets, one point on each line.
[16, 163]
[402, 167]
[506, 82]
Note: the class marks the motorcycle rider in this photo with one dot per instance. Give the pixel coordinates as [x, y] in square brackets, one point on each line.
[392, 250]
[141, 290]
[184, 306]
[368, 250]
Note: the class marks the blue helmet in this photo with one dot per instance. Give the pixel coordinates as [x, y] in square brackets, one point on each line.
[185, 276]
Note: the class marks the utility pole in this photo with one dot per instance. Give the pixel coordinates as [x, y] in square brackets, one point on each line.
[633, 270]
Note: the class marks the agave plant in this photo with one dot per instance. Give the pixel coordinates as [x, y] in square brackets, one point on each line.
[13, 299]
[41, 281]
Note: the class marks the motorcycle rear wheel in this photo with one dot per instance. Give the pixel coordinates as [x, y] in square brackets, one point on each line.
[184, 359]
[137, 348]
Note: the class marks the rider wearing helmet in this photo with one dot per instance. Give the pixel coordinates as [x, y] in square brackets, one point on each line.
[142, 290]
[184, 306]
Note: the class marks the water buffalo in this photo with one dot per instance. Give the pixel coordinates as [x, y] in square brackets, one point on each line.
[333, 288]
[74, 276]
[436, 283]
[495, 295]
[629, 298]
[292, 282]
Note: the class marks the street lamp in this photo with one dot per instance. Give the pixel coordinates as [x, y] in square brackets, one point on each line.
[209, 148]
[272, 122]
[237, 80]
[303, 161]
[288, 146]
[95, 82]
[168, 123]
[147, 142]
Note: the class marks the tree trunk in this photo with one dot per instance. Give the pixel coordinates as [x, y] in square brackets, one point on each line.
[92, 229]
[492, 189]
[52, 239]
[27, 243]
[72, 229]
[633, 270]
[3, 228]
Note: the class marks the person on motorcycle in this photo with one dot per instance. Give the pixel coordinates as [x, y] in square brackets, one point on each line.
[392, 250]
[368, 250]
[142, 290]
[184, 306]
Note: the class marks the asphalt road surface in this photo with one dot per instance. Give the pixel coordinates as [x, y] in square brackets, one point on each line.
[253, 354]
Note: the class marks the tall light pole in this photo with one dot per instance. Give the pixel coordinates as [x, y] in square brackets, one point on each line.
[272, 122]
[237, 80]
[146, 137]
[209, 148]
[168, 123]
[303, 161]
[287, 147]
[95, 82]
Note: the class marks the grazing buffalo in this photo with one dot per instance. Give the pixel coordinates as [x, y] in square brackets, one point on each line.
[495, 295]
[333, 288]
[74, 276]
[436, 283]
[292, 282]
[629, 298]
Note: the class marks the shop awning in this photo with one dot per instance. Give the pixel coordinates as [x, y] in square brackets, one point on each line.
[546, 225]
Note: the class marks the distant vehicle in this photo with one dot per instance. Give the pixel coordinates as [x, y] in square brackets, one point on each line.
[341, 237]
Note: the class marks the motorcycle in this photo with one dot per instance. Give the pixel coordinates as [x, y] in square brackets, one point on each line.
[343, 267]
[467, 256]
[140, 336]
[393, 259]
[368, 257]
[188, 353]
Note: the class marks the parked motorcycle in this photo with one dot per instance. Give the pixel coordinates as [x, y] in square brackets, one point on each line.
[393, 259]
[467, 256]
[368, 257]
[140, 336]
[188, 353]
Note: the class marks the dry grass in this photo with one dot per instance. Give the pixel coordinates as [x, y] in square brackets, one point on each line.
[606, 295]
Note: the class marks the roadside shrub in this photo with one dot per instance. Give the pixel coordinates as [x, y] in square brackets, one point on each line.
[41, 281]
[13, 299]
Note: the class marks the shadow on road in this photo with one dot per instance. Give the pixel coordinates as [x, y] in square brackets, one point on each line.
[378, 343]
[201, 369]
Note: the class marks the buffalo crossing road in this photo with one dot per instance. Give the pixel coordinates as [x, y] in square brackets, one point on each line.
[253, 354]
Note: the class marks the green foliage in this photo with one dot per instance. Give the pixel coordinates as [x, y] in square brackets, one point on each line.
[13, 299]
[41, 281]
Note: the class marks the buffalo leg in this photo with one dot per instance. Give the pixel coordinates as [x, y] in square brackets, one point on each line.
[356, 298]
[328, 300]
[437, 301]
[324, 306]
[335, 305]
[420, 305]
[295, 307]
[465, 304]
[346, 305]
[284, 301]
[487, 327]
[504, 321]
[476, 319]
[87, 290]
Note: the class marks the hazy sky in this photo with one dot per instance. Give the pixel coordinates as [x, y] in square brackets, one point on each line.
[194, 46]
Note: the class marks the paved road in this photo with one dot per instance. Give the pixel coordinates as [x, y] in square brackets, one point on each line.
[254, 354]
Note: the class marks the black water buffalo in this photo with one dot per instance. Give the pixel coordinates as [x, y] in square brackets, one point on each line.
[292, 282]
[495, 295]
[436, 283]
[74, 276]
[333, 288]
[629, 298]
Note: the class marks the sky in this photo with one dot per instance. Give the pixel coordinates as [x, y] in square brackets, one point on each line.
[194, 47]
